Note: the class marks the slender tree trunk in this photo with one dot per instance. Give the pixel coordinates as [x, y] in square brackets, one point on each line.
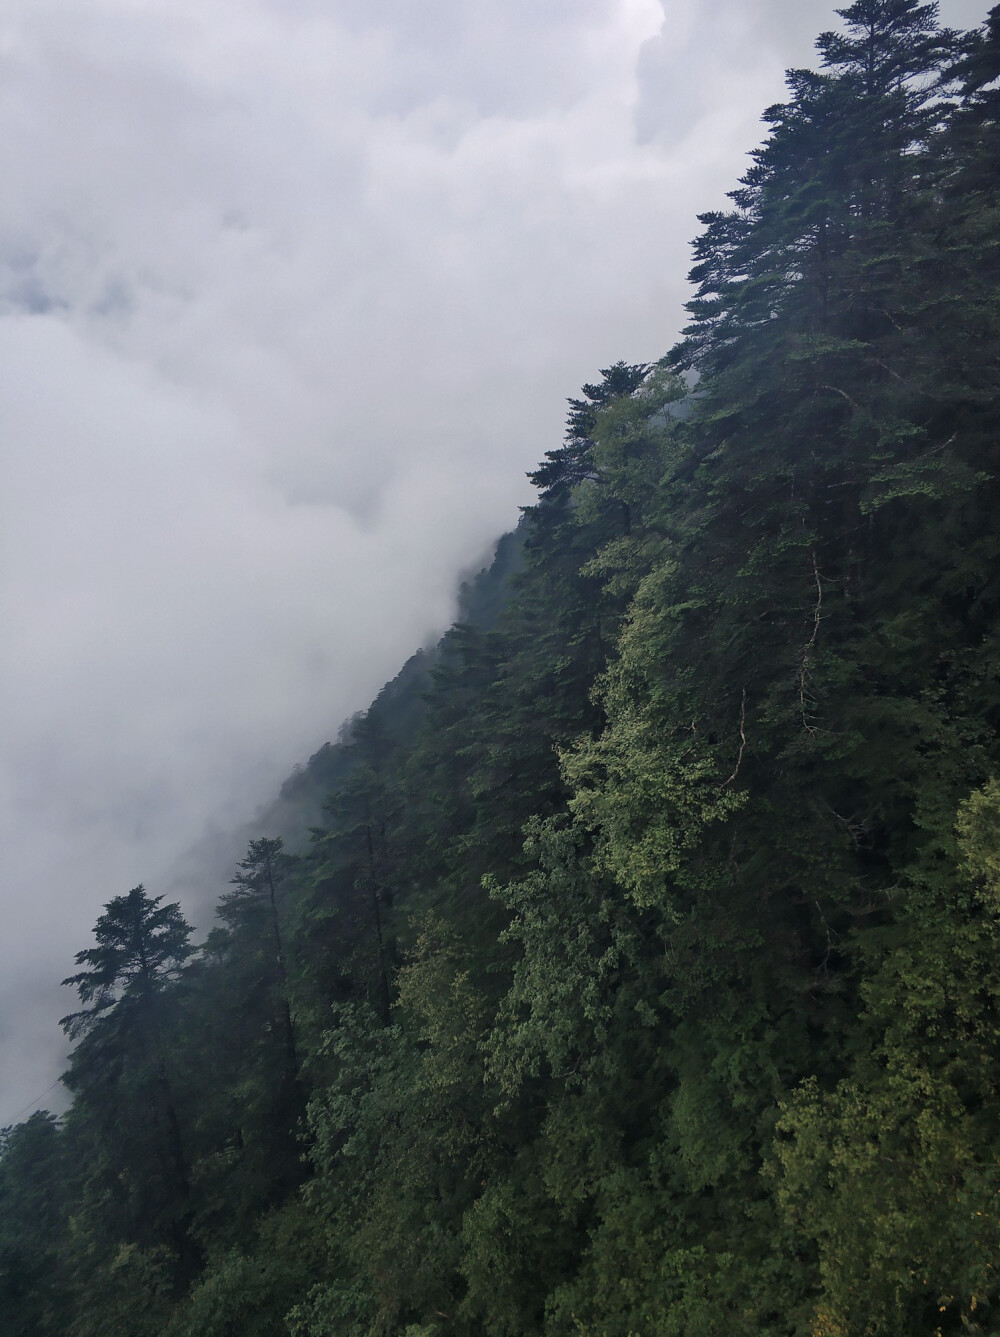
[377, 918]
[174, 1138]
[279, 956]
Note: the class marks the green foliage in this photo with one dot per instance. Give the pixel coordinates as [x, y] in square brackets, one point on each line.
[248, 1293]
[33, 1227]
[641, 978]
[894, 1172]
[141, 946]
[395, 1140]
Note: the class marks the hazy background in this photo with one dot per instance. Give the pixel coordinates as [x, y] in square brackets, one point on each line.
[291, 296]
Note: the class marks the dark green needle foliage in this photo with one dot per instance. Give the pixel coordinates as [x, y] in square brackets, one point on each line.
[253, 912]
[640, 977]
[141, 946]
[573, 463]
[130, 1246]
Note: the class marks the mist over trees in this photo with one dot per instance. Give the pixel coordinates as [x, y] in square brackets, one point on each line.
[642, 978]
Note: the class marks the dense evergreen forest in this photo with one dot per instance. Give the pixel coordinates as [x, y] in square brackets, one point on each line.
[642, 978]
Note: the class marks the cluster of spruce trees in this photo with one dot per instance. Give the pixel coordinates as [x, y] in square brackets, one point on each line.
[643, 979]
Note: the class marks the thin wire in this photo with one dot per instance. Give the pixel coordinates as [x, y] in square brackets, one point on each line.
[37, 1099]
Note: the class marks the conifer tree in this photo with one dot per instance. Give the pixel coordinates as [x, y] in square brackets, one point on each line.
[126, 1110]
[570, 465]
[251, 911]
[141, 949]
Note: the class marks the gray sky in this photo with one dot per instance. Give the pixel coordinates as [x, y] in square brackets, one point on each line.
[291, 296]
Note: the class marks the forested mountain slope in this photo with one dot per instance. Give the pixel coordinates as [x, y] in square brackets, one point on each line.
[642, 977]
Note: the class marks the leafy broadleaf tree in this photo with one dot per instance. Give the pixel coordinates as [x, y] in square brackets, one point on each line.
[35, 1181]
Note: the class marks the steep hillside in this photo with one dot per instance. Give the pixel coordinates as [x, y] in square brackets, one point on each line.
[641, 974]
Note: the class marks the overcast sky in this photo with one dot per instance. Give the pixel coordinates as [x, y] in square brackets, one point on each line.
[291, 296]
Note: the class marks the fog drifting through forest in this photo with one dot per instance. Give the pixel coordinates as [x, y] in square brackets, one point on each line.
[291, 297]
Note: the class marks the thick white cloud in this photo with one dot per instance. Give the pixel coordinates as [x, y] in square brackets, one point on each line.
[291, 294]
